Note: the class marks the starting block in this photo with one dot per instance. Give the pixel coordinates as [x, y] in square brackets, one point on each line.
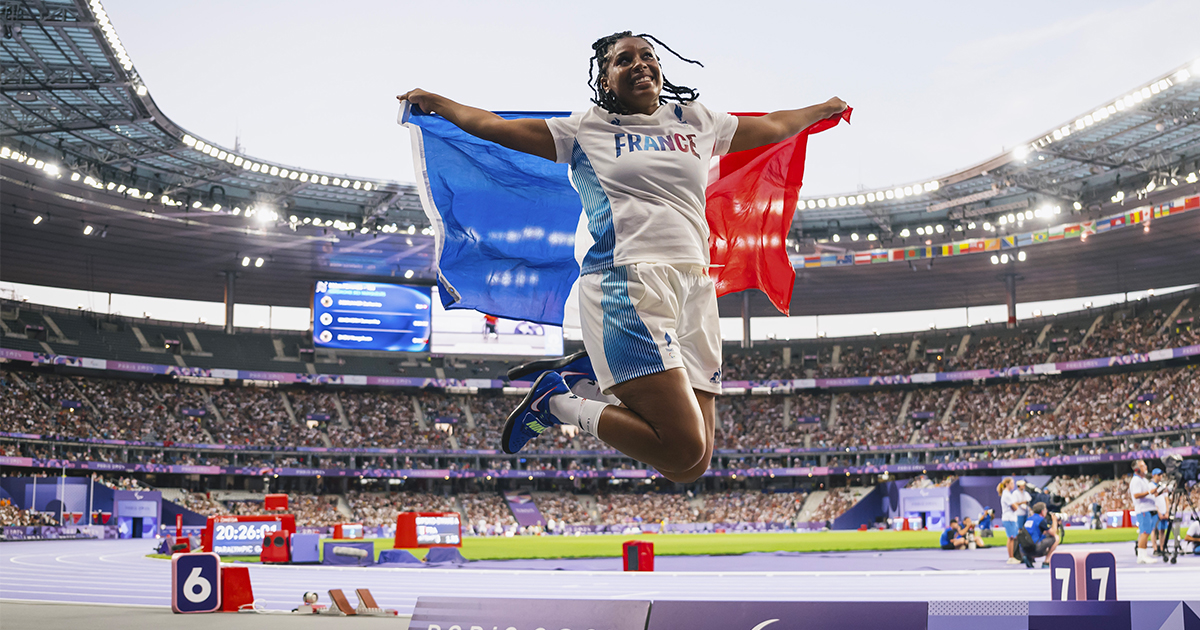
[1083, 576]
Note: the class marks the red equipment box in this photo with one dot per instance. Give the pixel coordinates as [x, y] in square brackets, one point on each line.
[348, 531]
[276, 547]
[242, 535]
[638, 555]
[428, 529]
[275, 502]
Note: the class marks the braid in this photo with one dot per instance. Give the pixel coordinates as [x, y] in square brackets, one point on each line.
[598, 67]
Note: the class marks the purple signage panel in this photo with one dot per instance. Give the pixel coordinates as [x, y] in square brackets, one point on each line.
[443, 613]
[788, 615]
[524, 509]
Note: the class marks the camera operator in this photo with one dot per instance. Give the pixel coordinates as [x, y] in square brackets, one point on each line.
[1142, 490]
[1039, 536]
[985, 521]
[971, 534]
[952, 536]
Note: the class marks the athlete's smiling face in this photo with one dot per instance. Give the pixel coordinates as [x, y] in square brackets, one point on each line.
[633, 75]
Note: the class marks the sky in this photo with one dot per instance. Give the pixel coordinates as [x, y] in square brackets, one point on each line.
[936, 86]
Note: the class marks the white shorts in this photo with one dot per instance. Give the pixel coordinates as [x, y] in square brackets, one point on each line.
[647, 318]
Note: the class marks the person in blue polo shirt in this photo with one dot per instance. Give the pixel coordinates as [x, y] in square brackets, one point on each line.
[985, 521]
[1042, 528]
[952, 537]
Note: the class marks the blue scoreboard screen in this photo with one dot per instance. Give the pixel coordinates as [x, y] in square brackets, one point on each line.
[372, 316]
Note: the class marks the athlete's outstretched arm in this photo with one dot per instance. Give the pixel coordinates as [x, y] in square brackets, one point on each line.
[756, 131]
[527, 135]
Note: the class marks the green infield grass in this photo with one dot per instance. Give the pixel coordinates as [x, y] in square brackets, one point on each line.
[609, 545]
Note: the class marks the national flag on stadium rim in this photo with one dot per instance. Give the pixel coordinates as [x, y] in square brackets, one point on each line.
[991, 244]
[945, 250]
[845, 259]
[1072, 231]
[1088, 227]
[1160, 211]
[1024, 239]
[1040, 236]
[1056, 233]
[1116, 222]
[828, 260]
[862, 258]
[1008, 242]
[1133, 217]
[962, 247]
[879, 256]
[478, 195]
[1191, 203]
[812, 261]
[896, 254]
[914, 253]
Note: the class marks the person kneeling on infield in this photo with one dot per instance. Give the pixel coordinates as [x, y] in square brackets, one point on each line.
[1039, 537]
[952, 537]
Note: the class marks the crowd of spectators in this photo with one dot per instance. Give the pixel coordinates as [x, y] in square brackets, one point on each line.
[381, 420]
[381, 508]
[13, 516]
[563, 508]
[1070, 487]
[1114, 498]
[752, 506]
[835, 503]
[251, 415]
[132, 410]
[651, 507]
[487, 514]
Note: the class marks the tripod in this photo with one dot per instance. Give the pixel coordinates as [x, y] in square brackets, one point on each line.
[1179, 499]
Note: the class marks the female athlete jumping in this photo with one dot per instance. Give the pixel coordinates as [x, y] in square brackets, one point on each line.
[639, 160]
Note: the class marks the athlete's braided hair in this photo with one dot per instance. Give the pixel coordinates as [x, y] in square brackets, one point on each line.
[598, 67]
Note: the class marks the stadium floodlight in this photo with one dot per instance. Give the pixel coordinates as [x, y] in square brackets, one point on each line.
[38, 219]
[904, 233]
[871, 237]
[258, 262]
[995, 259]
[1029, 214]
[987, 226]
[1004, 259]
[87, 230]
[939, 228]
[1021, 256]
[854, 236]
[308, 220]
[837, 238]
[412, 229]
[921, 231]
[1077, 205]
[1021, 152]
[408, 273]
[245, 261]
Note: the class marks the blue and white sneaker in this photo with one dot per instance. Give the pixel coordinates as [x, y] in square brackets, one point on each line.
[533, 416]
[573, 368]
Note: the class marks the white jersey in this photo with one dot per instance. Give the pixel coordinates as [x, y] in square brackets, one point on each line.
[1007, 513]
[642, 180]
[1138, 485]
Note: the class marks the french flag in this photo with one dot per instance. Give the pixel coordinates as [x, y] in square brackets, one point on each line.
[504, 222]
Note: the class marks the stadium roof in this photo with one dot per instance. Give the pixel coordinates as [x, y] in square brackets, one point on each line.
[176, 210]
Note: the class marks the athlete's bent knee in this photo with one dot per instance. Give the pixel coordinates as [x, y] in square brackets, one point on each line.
[686, 454]
[688, 476]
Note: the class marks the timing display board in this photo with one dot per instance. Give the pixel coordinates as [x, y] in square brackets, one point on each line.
[242, 535]
[428, 529]
[372, 316]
